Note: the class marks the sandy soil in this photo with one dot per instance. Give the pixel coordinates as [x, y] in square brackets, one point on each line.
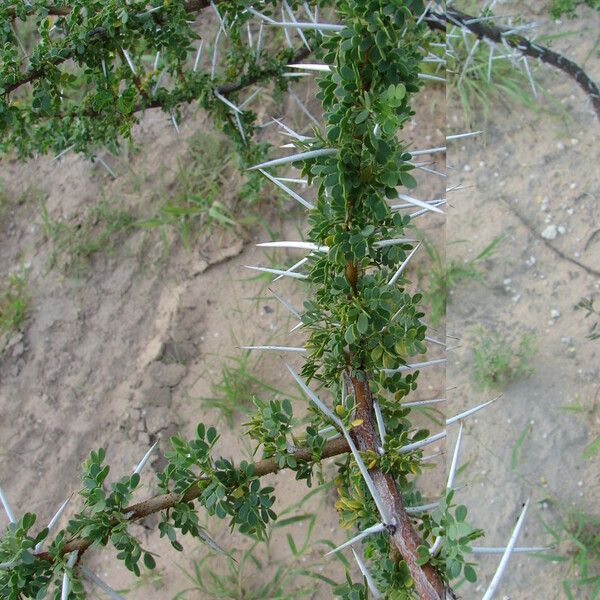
[529, 173]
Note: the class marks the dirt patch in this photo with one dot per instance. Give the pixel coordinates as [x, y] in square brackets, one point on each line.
[530, 181]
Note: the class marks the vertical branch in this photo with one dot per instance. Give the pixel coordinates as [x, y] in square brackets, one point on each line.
[406, 540]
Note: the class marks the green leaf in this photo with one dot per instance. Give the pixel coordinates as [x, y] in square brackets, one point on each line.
[361, 117]
[408, 180]
[460, 513]
[149, 561]
[470, 574]
[362, 323]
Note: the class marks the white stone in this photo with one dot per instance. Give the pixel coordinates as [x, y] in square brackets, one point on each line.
[550, 232]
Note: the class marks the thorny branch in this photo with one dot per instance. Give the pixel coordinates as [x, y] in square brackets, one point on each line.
[497, 34]
[434, 20]
[426, 579]
[162, 502]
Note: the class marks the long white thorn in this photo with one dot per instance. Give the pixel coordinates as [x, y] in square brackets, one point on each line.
[531, 82]
[428, 151]
[303, 108]
[413, 510]
[393, 242]
[63, 152]
[502, 549]
[436, 202]
[214, 7]
[294, 267]
[416, 445]
[213, 67]
[455, 455]
[470, 411]
[320, 68]
[427, 77]
[7, 509]
[363, 569]
[403, 265]
[288, 39]
[292, 133]
[144, 460]
[420, 203]
[363, 534]
[434, 341]
[54, 521]
[285, 303]
[227, 102]
[250, 98]
[422, 212]
[275, 348]
[422, 402]
[129, 61]
[295, 158]
[413, 366]
[437, 544]
[278, 272]
[66, 581]
[460, 136]
[380, 422]
[198, 55]
[359, 461]
[294, 244]
[287, 190]
[493, 587]
[293, 19]
[93, 578]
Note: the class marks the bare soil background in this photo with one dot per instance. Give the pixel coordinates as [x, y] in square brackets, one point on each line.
[530, 172]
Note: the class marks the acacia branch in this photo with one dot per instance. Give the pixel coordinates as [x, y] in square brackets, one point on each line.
[497, 34]
[68, 53]
[428, 583]
[156, 504]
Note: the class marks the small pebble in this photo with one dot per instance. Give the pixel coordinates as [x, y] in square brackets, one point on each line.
[550, 232]
[562, 229]
[554, 313]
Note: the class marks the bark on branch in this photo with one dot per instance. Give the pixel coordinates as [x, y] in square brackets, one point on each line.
[483, 29]
[165, 501]
[427, 580]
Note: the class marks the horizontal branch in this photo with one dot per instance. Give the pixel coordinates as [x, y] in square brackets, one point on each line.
[67, 54]
[497, 34]
[63, 11]
[156, 504]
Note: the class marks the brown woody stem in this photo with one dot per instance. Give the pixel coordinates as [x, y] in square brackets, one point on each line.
[156, 504]
[428, 583]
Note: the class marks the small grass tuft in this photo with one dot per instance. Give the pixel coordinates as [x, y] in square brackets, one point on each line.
[257, 573]
[443, 276]
[195, 205]
[14, 305]
[587, 304]
[234, 390]
[73, 246]
[496, 363]
[577, 538]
